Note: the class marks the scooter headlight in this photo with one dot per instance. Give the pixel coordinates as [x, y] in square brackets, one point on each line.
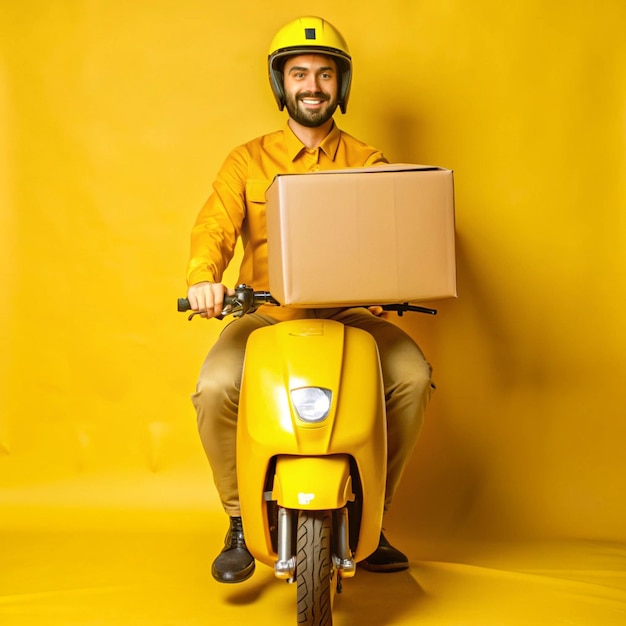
[312, 404]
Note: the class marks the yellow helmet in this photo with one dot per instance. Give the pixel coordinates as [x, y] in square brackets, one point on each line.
[304, 36]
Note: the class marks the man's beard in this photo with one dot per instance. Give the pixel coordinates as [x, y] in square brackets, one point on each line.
[305, 117]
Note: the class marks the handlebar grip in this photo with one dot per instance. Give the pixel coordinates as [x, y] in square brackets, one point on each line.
[183, 305]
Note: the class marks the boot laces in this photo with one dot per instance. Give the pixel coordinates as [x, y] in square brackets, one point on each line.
[235, 538]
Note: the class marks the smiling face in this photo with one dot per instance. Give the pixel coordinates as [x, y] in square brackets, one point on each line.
[310, 84]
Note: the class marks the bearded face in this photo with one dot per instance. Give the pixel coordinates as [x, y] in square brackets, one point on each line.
[310, 85]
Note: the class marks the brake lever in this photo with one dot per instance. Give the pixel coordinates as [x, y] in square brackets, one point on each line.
[235, 309]
[227, 310]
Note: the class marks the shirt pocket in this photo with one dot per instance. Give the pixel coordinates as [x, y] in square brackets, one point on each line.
[255, 190]
[255, 209]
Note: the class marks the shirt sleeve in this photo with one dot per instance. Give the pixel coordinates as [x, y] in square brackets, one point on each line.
[218, 225]
[376, 158]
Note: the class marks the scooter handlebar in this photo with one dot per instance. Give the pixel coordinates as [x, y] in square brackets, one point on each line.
[246, 300]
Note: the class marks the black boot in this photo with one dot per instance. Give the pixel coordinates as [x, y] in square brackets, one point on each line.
[385, 558]
[234, 563]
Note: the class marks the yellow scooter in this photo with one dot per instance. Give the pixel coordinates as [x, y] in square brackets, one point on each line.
[311, 450]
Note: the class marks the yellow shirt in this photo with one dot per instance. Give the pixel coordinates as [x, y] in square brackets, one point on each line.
[236, 208]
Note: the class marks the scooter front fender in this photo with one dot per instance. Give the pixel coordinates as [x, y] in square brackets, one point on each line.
[313, 483]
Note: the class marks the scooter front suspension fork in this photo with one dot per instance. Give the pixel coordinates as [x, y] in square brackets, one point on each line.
[285, 566]
[344, 562]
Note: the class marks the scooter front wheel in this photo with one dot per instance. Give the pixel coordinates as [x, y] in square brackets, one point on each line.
[315, 573]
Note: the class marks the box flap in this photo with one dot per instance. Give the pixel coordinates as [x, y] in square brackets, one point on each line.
[383, 167]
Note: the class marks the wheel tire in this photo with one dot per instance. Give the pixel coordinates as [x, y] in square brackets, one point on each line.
[314, 570]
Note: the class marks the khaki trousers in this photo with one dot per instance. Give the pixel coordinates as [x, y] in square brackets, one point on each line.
[406, 377]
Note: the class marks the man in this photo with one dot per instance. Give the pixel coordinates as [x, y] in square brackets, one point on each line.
[310, 74]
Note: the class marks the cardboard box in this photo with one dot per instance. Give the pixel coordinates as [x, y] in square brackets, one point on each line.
[361, 236]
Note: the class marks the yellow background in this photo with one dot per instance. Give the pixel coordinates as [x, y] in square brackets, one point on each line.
[114, 117]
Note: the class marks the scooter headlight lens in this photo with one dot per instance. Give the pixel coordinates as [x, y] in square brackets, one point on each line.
[311, 403]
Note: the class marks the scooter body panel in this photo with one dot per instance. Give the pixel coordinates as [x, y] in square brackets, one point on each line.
[310, 482]
[304, 353]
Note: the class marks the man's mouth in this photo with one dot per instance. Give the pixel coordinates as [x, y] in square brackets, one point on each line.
[315, 100]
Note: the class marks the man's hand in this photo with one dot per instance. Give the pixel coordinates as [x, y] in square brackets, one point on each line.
[208, 298]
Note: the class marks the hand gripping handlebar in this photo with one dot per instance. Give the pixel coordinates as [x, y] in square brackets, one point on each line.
[245, 300]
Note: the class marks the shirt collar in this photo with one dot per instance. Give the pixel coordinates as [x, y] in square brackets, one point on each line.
[329, 144]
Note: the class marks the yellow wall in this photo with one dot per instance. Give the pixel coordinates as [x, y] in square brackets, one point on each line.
[114, 117]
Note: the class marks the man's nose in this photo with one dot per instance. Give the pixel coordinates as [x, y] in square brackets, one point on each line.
[312, 83]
